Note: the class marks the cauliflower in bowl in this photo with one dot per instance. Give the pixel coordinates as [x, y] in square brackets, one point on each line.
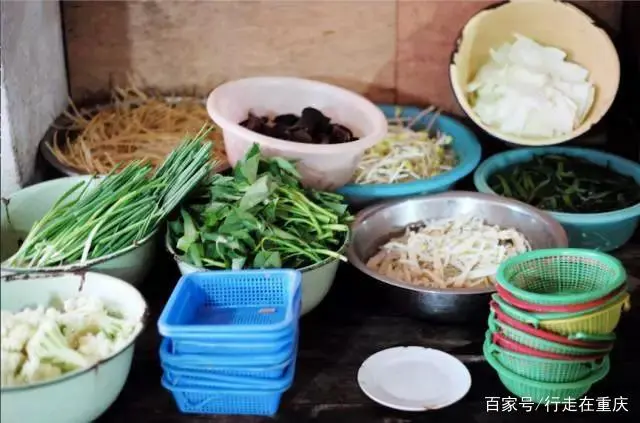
[39, 344]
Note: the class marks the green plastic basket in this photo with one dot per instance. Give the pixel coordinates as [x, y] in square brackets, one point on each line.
[541, 392]
[529, 317]
[539, 343]
[561, 276]
[597, 325]
[544, 369]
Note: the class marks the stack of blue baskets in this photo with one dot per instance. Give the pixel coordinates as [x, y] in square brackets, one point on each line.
[230, 340]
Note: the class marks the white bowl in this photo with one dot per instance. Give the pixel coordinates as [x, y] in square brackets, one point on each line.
[80, 396]
[322, 166]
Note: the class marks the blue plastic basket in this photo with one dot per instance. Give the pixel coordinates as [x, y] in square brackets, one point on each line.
[207, 401]
[465, 144]
[261, 343]
[228, 360]
[233, 348]
[231, 302]
[599, 231]
[228, 365]
[195, 379]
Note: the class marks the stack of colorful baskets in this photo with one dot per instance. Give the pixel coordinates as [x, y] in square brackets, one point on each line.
[552, 321]
[230, 340]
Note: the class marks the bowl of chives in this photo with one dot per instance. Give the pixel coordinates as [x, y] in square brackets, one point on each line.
[20, 211]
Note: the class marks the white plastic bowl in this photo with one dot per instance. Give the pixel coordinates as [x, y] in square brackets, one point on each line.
[80, 396]
[322, 166]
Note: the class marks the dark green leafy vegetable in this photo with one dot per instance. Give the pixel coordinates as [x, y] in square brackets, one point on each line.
[124, 207]
[260, 217]
[566, 184]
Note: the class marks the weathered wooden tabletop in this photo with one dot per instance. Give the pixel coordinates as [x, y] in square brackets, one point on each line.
[352, 323]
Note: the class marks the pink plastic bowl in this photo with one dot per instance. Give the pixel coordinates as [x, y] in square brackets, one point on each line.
[326, 167]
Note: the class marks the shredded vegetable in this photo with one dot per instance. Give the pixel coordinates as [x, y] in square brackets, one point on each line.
[461, 252]
[407, 153]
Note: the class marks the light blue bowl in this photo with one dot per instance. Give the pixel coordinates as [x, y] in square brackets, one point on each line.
[599, 231]
[465, 144]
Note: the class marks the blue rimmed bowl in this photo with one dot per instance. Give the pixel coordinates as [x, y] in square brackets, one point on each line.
[465, 144]
[599, 231]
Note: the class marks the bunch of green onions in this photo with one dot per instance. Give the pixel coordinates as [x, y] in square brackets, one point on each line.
[124, 208]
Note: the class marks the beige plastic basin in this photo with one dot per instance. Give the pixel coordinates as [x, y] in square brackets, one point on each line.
[548, 22]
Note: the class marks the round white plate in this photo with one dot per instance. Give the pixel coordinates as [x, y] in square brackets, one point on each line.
[414, 378]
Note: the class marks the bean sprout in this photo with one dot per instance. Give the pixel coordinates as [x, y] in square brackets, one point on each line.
[460, 252]
[407, 153]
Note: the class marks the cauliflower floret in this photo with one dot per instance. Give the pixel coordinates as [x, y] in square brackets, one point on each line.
[52, 313]
[7, 321]
[19, 327]
[115, 328]
[79, 323]
[49, 344]
[10, 362]
[43, 343]
[80, 316]
[16, 337]
[31, 316]
[74, 325]
[84, 304]
[95, 347]
[34, 370]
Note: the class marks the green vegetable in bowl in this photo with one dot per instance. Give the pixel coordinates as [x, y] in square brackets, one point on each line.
[566, 184]
[260, 217]
[124, 207]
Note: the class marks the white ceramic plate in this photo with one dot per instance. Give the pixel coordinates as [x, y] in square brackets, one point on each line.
[414, 378]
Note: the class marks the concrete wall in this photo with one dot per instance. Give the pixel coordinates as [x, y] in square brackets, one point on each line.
[33, 84]
[390, 50]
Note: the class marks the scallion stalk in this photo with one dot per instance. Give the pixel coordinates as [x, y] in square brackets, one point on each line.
[124, 208]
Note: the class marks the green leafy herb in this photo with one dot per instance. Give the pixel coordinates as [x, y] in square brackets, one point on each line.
[260, 217]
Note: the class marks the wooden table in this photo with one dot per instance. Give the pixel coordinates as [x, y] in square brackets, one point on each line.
[352, 323]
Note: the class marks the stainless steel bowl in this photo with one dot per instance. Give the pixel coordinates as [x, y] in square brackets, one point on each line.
[375, 225]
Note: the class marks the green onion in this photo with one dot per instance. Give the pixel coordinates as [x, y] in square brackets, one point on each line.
[122, 209]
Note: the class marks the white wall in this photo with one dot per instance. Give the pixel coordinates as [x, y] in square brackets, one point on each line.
[33, 84]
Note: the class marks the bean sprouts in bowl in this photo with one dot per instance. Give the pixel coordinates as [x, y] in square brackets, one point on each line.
[522, 226]
[424, 152]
